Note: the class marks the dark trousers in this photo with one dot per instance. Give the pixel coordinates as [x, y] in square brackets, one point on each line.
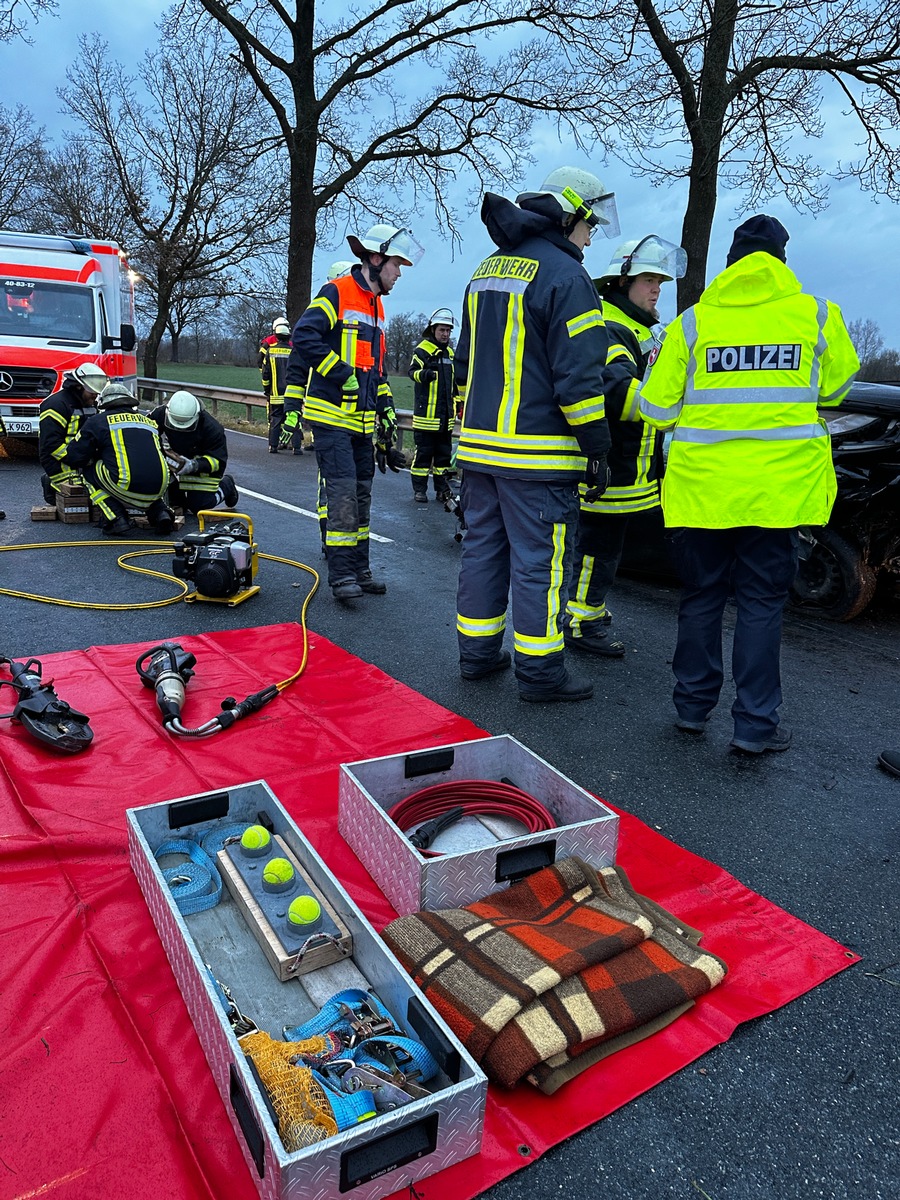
[346, 468]
[277, 413]
[519, 536]
[434, 451]
[757, 566]
[598, 550]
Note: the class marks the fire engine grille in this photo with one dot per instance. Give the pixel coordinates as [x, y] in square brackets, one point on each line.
[26, 383]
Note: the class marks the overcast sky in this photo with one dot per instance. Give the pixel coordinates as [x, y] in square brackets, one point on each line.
[850, 253]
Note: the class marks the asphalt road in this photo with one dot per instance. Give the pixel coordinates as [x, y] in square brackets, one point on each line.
[799, 1105]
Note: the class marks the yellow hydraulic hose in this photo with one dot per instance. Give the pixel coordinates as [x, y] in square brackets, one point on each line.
[157, 548]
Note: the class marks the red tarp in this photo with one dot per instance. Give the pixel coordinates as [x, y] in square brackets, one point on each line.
[104, 1089]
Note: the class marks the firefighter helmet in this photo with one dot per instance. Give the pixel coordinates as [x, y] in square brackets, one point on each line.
[390, 241]
[182, 410]
[281, 328]
[581, 194]
[650, 255]
[116, 395]
[441, 316]
[277, 321]
[91, 377]
[337, 269]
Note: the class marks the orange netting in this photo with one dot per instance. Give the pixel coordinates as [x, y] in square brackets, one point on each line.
[300, 1104]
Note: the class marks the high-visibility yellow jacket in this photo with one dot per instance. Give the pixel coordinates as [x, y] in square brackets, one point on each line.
[738, 380]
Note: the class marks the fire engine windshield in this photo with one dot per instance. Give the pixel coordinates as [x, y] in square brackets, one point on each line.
[58, 311]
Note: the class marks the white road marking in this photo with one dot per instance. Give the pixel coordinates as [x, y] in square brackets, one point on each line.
[304, 512]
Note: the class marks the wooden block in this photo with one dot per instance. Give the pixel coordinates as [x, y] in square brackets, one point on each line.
[285, 965]
[72, 489]
[43, 512]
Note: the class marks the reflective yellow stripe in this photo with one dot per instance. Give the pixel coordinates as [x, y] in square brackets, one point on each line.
[631, 409]
[480, 626]
[328, 363]
[537, 647]
[592, 409]
[327, 308]
[617, 350]
[554, 593]
[337, 538]
[588, 320]
[523, 462]
[645, 455]
[513, 350]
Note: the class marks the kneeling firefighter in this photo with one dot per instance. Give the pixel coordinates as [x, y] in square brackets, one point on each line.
[62, 415]
[119, 453]
[198, 441]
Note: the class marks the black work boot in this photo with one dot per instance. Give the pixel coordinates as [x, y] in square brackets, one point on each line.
[420, 497]
[593, 638]
[347, 589]
[573, 687]
[229, 491]
[118, 527]
[47, 489]
[370, 585]
[160, 518]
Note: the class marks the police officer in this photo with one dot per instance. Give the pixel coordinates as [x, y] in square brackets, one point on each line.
[738, 380]
[629, 290]
[338, 357]
[200, 454]
[274, 354]
[434, 407]
[531, 353]
[61, 416]
[119, 453]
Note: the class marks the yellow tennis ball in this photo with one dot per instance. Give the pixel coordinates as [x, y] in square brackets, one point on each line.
[278, 871]
[255, 837]
[305, 910]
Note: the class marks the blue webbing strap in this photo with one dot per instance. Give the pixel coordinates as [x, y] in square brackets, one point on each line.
[196, 884]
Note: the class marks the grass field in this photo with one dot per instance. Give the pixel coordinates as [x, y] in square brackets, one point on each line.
[247, 378]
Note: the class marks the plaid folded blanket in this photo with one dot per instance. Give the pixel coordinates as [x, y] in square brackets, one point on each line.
[551, 966]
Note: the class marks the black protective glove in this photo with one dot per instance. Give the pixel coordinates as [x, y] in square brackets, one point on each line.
[288, 428]
[389, 456]
[596, 477]
[429, 376]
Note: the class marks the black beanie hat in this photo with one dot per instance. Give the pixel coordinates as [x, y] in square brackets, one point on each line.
[758, 233]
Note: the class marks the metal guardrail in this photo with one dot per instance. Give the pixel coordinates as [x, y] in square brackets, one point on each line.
[155, 391]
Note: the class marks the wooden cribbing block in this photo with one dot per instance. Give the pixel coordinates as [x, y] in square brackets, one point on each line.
[43, 512]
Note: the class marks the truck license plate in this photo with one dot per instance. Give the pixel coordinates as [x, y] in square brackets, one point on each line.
[17, 426]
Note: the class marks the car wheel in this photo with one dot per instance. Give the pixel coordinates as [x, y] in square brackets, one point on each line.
[833, 578]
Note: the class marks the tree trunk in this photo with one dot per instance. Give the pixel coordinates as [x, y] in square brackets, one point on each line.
[155, 336]
[302, 236]
[697, 227]
[174, 338]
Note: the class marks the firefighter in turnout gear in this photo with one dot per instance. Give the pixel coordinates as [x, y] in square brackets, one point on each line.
[61, 417]
[434, 407]
[738, 380]
[338, 356]
[531, 352]
[197, 451]
[629, 290]
[274, 354]
[119, 453]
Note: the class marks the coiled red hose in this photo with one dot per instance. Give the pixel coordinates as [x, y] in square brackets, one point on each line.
[476, 797]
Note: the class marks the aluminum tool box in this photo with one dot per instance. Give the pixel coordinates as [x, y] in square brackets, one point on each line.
[390, 1151]
[478, 854]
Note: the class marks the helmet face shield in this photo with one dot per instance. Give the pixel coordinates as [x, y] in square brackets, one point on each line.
[654, 255]
[604, 209]
[404, 246]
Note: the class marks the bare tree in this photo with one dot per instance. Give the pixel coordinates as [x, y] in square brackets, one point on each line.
[866, 338]
[21, 160]
[15, 16]
[733, 91]
[186, 164]
[402, 334]
[194, 304]
[73, 196]
[399, 99]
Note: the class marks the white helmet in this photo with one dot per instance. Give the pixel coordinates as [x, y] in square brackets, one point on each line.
[278, 321]
[92, 377]
[183, 410]
[651, 254]
[116, 395]
[389, 240]
[441, 316]
[582, 194]
[280, 328]
[337, 269]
